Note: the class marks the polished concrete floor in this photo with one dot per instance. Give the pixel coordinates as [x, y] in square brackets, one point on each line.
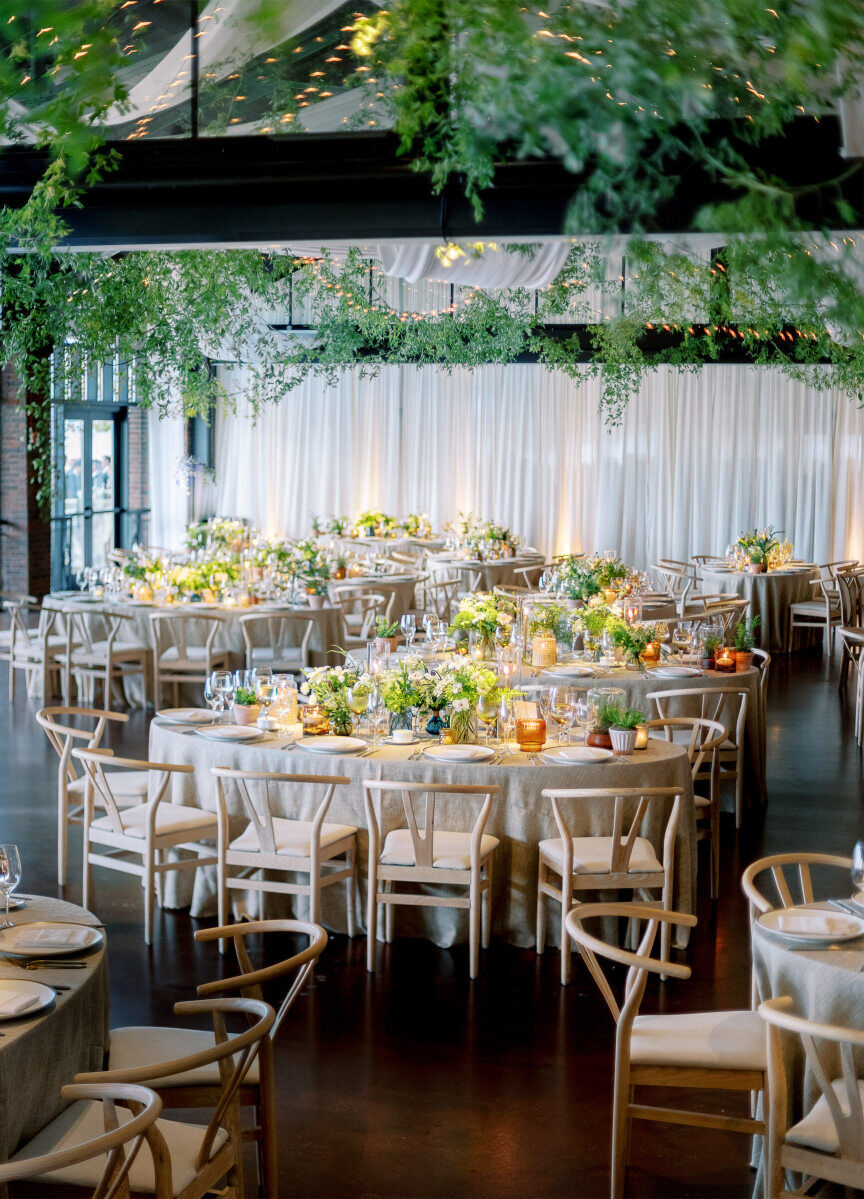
[415, 1082]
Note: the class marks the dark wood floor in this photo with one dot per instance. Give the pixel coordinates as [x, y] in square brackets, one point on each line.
[415, 1082]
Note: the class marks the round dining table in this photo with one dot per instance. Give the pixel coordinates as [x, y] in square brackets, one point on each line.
[825, 985]
[770, 596]
[485, 575]
[42, 1052]
[520, 816]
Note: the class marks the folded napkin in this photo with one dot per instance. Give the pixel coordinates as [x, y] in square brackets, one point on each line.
[821, 924]
[13, 1002]
[52, 938]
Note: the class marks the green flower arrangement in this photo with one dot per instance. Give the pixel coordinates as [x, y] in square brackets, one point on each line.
[758, 544]
[633, 639]
[329, 686]
[487, 613]
[245, 697]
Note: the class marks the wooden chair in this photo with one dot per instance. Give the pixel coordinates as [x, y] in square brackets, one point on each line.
[853, 645]
[136, 837]
[849, 591]
[104, 1146]
[676, 580]
[34, 651]
[623, 861]
[726, 705]
[130, 786]
[708, 1051]
[426, 854]
[822, 612]
[360, 610]
[199, 1156]
[762, 662]
[828, 1143]
[177, 658]
[272, 640]
[705, 739]
[8, 601]
[726, 609]
[439, 596]
[324, 853]
[135, 1046]
[96, 652]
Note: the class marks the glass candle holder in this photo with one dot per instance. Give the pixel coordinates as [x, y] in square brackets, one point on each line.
[651, 653]
[641, 736]
[316, 721]
[544, 649]
[447, 737]
[724, 660]
[530, 733]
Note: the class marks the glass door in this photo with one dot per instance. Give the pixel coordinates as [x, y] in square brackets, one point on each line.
[88, 497]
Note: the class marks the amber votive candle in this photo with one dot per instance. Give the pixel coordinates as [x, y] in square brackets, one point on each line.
[530, 734]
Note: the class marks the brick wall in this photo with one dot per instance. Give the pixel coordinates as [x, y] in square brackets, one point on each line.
[25, 539]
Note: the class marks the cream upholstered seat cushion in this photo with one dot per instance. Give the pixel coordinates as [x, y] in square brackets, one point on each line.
[83, 1121]
[127, 786]
[814, 608]
[707, 1040]
[136, 1046]
[450, 851]
[194, 657]
[817, 1130]
[98, 651]
[170, 818]
[593, 855]
[293, 837]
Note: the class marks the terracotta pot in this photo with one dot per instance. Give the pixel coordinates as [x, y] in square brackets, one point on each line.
[743, 660]
[756, 568]
[341, 573]
[598, 740]
[316, 602]
[388, 643]
[246, 713]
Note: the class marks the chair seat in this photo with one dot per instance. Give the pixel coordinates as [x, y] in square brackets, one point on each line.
[593, 855]
[127, 786]
[450, 851]
[702, 1040]
[699, 802]
[293, 838]
[194, 657]
[139, 1045]
[34, 649]
[817, 1130]
[98, 652]
[813, 608]
[265, 655]
[83, 1121]
[170, 818]
[728, 747]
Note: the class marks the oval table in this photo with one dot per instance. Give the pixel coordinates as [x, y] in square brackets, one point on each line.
[520, 817]
[770, 596]
[39, 1054]
[826, 985]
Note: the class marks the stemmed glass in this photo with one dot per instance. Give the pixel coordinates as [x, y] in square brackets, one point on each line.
[582, 713]
[223, 685]
[681, 640]
[265, 689]
[506, 720]
[357, 703]
[10, 876]
[214, 700]
[857, 866]
[378, 715]
[430, 625]
[408, 625]
[487, 712]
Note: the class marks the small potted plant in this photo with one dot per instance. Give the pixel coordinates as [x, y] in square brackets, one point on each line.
[387, 635]
[316, 578]
[708, 646]
[340, 566]
[245, 707]
[603, 717]
[744, 642]
[622, 729]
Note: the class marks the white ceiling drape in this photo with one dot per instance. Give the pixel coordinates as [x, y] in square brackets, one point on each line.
[698, 457]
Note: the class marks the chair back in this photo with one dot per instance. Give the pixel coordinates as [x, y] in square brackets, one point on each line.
[254, 790]
[22, 635]
[675, 579]
[177, 630]
[87, 624]
[727, 609]
[439, 596]
[849, 590]
[724, 705]
[418, 805]
[235, 1055]
[249, 982]
[95, 761]
[841, 1090]
[639, 963]
[762, 662]
[777, 866]
[365, 606]
[64, 736]
[705, 739]
[627, 808]
[119, 1143]
[273, 632]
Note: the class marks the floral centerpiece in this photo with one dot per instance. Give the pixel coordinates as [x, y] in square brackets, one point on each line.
[758, 545]
[581, 577]
[487, 613]
[634, 639]
[592, 621]
[403, 688]
[218, 533]
[329, 685]
[416, 524]
[455, 689]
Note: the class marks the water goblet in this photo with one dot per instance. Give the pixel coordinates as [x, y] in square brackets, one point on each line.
[212, 699]
[10, 876]
[487, 712]
[506, 720]
[430, 624]
[408, 625]
[224, 685]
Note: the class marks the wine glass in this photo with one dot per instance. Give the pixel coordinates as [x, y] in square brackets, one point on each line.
[857, 866]
[564, 704]
[681, 640]
[213, 700]
[10, 876]
[408, 625]
[546, 582]
[265, 689]
[583, 712]
[224, 685]
[547, 704]
[487, 712]
[430, 624]
[506, 720]
[378, 715]
[357, 702]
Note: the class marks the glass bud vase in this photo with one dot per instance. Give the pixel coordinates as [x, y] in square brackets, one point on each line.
[464, 726]
[436, 723]
[341, 727]
[400, 720]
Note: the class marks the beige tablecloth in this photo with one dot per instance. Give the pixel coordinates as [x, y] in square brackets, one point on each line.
[770, 596]
[328, 632]
[41, 1053]
[500, 572]
[400, 586]
[825, 986]
[520, 818]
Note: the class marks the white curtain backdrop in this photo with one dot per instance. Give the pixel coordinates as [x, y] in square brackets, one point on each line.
[699, 457]
[169, 500]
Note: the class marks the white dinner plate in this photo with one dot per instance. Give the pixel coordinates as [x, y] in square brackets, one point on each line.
[9, 936]
[230, 732]
[570, 754]
[42, 996]
[136, 603]
[676, 672]
[332, 745]
[459, 753]
[571, 670]
[189, 715]
[840, 927]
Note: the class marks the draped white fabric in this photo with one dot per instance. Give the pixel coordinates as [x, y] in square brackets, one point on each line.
[169, 501]
[698, 457]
